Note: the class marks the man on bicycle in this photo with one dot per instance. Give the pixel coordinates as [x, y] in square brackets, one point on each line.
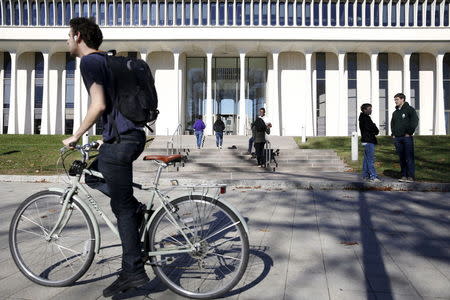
[123, 142]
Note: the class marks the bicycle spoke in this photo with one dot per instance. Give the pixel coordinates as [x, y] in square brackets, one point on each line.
[221, 230]
[29, 220]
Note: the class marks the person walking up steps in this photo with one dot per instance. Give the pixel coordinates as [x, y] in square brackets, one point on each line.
[199, 126]
[219, 127]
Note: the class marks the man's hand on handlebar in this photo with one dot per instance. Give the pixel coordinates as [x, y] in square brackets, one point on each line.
[70, 142]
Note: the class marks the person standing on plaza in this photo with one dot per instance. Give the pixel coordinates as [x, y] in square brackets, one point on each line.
[259, 131]
[199, 126]
[403, 125]
[251, 140]
[219, 127]
[122, 143]
[368, 139]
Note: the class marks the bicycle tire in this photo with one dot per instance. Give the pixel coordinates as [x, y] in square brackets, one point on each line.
[50, 275]
[159, 270]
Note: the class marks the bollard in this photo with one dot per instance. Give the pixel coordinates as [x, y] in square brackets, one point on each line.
[303, 134]
[354, 145]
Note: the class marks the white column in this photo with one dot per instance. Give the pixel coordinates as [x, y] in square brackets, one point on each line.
[277, 9]
[234, 13]
[406, 13]
[208, 14]
[363, 14]
[389, 13]
[416, 5]
[294, 13]
[355, 13]
[329, 13]
[2, 76]
[346, 13]
[274, 112]
[176, 59]
[372, 13]
[397, 23]
[375, 90]
[303, 12]
[320, 12]
[45, 128]
[209, 100]
[343, 99]
[308, 120]
[12, 122]
[439, 126]
[338, 12]
[183, 13]
[424, 14]
[311, 13]
[157, 12]
[406, 75]
[242, 81]
[77, 97]
[251, 13]
[260, 13]
[441, 14]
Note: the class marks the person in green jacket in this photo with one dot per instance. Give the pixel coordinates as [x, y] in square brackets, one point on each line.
[403, 124]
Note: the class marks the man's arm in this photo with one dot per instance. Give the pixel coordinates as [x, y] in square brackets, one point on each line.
[95, 110]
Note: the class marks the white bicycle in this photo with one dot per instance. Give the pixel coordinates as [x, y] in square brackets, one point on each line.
[197, 244]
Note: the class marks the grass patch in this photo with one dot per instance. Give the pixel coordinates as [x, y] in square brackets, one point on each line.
[432, 155]
[32, 154]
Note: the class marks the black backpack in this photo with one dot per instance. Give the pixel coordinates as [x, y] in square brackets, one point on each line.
[133, 89]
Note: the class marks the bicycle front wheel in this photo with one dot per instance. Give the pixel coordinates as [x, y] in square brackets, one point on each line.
[58, 260]
[221, 255]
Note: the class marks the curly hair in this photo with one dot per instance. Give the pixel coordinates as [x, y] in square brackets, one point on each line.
[89, 31]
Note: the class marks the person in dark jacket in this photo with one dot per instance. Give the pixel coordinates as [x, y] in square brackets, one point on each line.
[259, 130]
[199, 126]
[368, 139]
[403, 124]
[219, 127]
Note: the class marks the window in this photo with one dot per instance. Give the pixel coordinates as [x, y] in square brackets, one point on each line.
[446, 70]
[321, 94]
[195, 13]
[376, 14]
[367, 21]
[290, 14]
[350, 13]
[16, 13]
[308, 13]
[281, 13]
[59, 13]
[42, 13]
[102, 13]
[51, 14]
[247, 13]
[383, 67]
[352, 92]
[341, 13]
[273, 13]
[230, 13]
[85, 9]
[67, 15]
[333, 14]
[325, 13]
[153, 13]
[359, 8]
[437, 15]
[144, 13]
[213, 17]
[385, 14]
[110, 13]
[204, 13]
[414, 68]
[428, 16]
[419, 14]
[179, 12]
[70, 80]
[127, 16]
[76, 9]
[6, 89]
[299, 13]
[255, 13]
[24, 14]
[402, 13]
[222, 13]
[394, 15]
[94, 11]
[316, 13]
[264, 13]
[169, 12]
[118, 13]
[239, 13]
[8, 14]
[38, 89]
[411, 14]
[446, 13]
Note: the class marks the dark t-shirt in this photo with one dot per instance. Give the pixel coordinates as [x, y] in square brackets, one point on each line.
[93, 68]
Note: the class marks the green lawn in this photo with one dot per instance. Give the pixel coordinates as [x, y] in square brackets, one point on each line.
[32, 154]
[432, 155]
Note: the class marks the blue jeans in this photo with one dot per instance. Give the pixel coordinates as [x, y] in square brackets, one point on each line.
[199, 137]
[405, 150]
[250, 144]
[219, 138]
[369, 161]
[115, 163]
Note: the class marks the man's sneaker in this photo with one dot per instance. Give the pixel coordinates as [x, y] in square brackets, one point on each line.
[403, 179]
[409, 179]
[125, 282]
[374, 180]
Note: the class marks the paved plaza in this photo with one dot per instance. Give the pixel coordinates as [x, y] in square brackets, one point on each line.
[304, 244]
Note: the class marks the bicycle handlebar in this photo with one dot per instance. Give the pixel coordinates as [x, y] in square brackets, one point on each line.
[82, 148]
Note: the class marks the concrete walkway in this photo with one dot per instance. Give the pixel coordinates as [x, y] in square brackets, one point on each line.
[305, 244]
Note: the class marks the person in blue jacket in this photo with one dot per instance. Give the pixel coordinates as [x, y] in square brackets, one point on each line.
[199, 126]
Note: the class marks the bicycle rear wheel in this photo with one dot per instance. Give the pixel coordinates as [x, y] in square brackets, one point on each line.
[58, 261]
[221, 254]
